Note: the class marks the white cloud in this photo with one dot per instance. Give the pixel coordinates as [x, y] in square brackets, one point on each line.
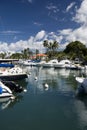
[70, 6]
[9, 32]
[52, 8]
[81, 14]
[37, 23]
[65, 31]
[79, 33]
[64, 36]
[40, 35]
[32, 43]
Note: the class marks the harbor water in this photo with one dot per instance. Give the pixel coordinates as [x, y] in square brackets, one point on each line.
[50, 102]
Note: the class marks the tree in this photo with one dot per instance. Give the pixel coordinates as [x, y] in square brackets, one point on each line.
[51, 47]
[26, 53]
[76, 49]
[3, 55]
[16, 56]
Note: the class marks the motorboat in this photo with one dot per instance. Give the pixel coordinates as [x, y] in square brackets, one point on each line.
[62, 63]
[6, 65]
[15, 73]
[28, 63]
[82, 88]
[14, 87]
[73, 66]
[50, 63]
[39, 64]
[5, 92]
[80, 79]
[31, 62]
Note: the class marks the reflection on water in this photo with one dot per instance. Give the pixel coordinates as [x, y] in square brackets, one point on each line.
[81, 110]
[8, 102]
[58, 80]
[50, 102]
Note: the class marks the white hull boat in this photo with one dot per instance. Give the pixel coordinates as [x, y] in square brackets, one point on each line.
[5, 92]
[82, 88]
[80, 79]
[49, 64]
[62, 64]
[15, 73]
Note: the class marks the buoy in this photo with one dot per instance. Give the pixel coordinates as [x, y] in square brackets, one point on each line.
[29, 73]
[25, 90]
[35, 78]
[46, 85]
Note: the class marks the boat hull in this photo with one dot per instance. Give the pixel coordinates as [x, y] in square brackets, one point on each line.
[13, 77]
[5, 95]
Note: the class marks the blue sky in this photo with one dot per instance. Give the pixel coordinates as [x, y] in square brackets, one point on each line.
[27, 23]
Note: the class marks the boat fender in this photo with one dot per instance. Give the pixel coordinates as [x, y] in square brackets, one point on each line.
[1, 90]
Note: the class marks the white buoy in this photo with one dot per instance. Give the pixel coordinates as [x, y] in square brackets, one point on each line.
[35, 78]
[25, 90]
[29, 73]
[46, 85]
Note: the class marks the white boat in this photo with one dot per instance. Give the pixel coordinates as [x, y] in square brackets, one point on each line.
[74, 66]
[5, 92]
[29, 63]
[50, 63]
[82, 88]
[15, 73]
[39, 64]
[14, 87]
[62, 64]
[71, 66]
[80, 79]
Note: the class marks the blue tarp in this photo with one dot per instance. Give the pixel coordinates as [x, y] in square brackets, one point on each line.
[6, 65]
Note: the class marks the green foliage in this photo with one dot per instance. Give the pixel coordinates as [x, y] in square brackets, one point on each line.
[2, 55]
[26, 53]
[73, 50]
[76, 49]
[51, 48]
[16, 56]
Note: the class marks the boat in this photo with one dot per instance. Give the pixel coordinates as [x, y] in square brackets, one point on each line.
[50, 63]
[5, 92]
[62, 64]
[15, 73]
[28, 63]
[6, 65]
[82, 88]
[31, 62]
[39, 64]
[73, 66]
[80, 79]
[14, 87]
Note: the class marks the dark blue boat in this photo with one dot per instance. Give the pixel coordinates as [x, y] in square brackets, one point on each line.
[6, 65]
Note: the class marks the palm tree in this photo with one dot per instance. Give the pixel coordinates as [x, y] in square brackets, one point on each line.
[45, 43]
[55, 45]
[26, 53]
[51, 47]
